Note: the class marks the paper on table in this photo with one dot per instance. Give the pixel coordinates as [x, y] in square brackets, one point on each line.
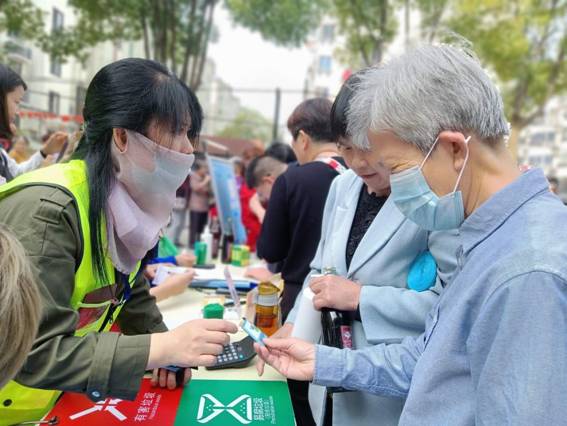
[307, 324]
[163, 271]
[208, 274]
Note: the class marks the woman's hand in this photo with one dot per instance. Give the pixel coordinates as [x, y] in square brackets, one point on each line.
[55, 143]
[258, 273]
[186, 259]
[173, 285]
[165, 378]
[191, 344]
[333, 291]
[283, 333]
[293, 358]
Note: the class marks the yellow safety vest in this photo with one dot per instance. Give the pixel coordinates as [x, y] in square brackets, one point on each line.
[19, 403]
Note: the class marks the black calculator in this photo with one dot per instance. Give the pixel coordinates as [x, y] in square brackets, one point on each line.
[235, 355]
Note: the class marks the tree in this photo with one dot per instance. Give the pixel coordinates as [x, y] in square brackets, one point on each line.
[525, 44]
[174, 32]
[368, 25]
[249, 124]
[432, 13]
[20, 17]
[284, 22]
[177, 32]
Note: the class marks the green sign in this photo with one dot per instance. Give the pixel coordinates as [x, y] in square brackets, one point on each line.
[235, 402]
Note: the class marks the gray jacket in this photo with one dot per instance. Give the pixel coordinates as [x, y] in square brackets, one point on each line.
[389, 310]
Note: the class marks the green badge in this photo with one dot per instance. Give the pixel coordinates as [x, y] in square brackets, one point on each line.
[235, 402]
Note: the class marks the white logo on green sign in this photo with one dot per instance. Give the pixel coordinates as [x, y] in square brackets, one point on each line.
[210, 407]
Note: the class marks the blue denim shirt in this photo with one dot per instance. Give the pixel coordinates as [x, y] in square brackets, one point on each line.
[494, 350]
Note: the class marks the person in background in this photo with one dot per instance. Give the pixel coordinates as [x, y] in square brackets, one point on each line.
[292, 226]
[200, 181]
[494, 349]
[282, 152]
[12, 89]
[179, 215]
[379, 257]
[285, 154]
[261, 175]
[252, 210]
[87, 225]
[20, 306]
[20, 151]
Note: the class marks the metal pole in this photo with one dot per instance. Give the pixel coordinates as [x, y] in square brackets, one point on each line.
[276, 114]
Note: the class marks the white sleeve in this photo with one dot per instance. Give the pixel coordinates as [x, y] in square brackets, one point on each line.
[27, 166]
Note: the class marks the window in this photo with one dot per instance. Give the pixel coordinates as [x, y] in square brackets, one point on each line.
[55, 67]
[54, 100]
[325, 63]
[57, 21]
[327, 33]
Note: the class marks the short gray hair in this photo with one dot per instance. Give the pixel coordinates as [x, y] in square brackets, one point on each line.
[422, 93]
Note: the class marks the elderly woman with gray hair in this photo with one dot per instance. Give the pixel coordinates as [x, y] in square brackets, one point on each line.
[388, 271]
[494, 349]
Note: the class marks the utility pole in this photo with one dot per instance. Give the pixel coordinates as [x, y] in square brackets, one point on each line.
[276, 114]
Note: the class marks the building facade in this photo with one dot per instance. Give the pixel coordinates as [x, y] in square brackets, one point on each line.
[56, 90]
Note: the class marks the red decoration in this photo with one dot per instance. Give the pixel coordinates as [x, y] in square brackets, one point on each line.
[153, 406]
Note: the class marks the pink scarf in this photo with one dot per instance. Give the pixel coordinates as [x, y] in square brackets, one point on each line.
[142, 196]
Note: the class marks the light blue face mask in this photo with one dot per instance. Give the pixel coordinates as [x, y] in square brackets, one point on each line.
[415, 199]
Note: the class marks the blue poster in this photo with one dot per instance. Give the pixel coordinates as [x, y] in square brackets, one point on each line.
[227, 198]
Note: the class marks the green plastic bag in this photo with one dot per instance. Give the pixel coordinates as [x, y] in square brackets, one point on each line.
[166, 248]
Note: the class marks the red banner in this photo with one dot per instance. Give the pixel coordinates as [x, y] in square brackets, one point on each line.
[153, 406]
[44, 115]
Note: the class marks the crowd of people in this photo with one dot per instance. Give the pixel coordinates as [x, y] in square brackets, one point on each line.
[398, 206]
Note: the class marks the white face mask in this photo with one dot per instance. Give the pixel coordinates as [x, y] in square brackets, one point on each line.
[142, 197]
[417, 201]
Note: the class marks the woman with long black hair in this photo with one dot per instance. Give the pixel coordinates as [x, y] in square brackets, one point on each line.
[86, 226]
[12, 89]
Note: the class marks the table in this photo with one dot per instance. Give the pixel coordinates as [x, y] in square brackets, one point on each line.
[213, 397]
[187, 306]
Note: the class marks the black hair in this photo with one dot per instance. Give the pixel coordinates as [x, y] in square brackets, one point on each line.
[313, 117]
[339, 123]
[130, 94]
[9, 80]
[553, 180]
[282, 152]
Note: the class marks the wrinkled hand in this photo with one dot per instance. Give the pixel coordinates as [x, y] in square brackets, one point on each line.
[283, 333]
[186, 259]
[294, 358]
[55, 143]
[333, 291]
[165, 378]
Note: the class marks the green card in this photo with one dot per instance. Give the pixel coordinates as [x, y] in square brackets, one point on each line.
[235, 402]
